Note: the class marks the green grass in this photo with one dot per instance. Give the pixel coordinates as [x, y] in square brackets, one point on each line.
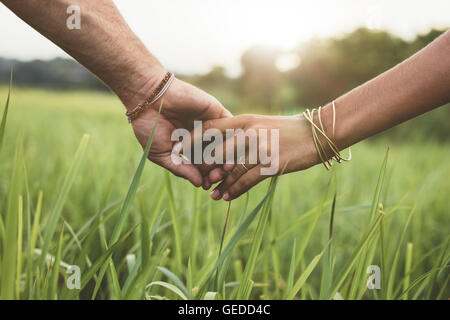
[72, 191]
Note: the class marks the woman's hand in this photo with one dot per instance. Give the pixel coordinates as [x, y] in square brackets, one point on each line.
[295, 151]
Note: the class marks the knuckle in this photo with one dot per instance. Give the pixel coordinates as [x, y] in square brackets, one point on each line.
[235, 173]
[208, 124]
[245, 117]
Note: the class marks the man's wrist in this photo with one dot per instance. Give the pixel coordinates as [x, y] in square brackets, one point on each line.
[140, 85]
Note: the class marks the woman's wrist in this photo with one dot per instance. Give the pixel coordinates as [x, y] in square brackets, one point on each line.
[337, 124]
[319, 147]
[296, 144]
[331, 133]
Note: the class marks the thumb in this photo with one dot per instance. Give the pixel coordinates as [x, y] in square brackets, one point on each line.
[198, 104]
[213, 109]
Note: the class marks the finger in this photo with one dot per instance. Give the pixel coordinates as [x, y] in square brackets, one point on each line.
[206, 183]
[185, 170]
[216, 175]
[232, 176]
[201, 105]
[227, 167]
[213, 167]
[215, 110]
[222, 124]
[244, 183]
[211, 173]
[208, 105]
[206, 169]
[225, 152]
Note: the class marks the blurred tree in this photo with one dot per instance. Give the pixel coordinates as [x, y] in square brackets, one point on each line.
[56, 74]
[260, 81]
[219, 84]
[217, 77]
[424, 39]
[332, 67]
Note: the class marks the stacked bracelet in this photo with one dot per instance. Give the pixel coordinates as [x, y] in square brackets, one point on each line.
[309, 116]
[159, 91]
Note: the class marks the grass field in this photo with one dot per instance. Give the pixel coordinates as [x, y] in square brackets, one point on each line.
[62, 193]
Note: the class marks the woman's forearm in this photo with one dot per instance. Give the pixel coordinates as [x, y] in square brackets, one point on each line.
[415, 86]
[104, 44]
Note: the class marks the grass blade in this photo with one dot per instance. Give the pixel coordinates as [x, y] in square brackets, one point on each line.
[134, 186]
[290, 282]
[245, 286]
[19, 246]
[9, 259]
[176, 281]
[5, 112]
[393, 268]
[327, 272]
[346, 270]
[140, 265]
[56, 266]
[175, 226]
[89, 274]
[358, 282]
[434, 273]
[169, 286]
[228, 249]
[303, 277]
[408, 260]
[130, 196]
[61, 199]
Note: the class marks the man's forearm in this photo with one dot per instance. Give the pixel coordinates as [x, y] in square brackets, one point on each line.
[417, 85]
[104, 44]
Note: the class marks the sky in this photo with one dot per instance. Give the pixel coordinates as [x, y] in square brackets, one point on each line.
[191, 36]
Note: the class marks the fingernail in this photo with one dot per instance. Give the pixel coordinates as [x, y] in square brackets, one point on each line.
[226, 196]
[215, 194]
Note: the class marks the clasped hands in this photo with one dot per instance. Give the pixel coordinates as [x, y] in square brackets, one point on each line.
[288, 146]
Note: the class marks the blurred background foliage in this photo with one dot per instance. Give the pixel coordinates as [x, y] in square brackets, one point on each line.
[277, 82]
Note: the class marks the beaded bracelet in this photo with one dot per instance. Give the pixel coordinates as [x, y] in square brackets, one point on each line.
[157, 93]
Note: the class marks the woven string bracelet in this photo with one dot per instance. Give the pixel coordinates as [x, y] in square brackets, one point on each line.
[157, 93]
[309, 116]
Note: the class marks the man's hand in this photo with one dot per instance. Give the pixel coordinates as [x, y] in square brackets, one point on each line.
[107, 47]
[182, 104]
